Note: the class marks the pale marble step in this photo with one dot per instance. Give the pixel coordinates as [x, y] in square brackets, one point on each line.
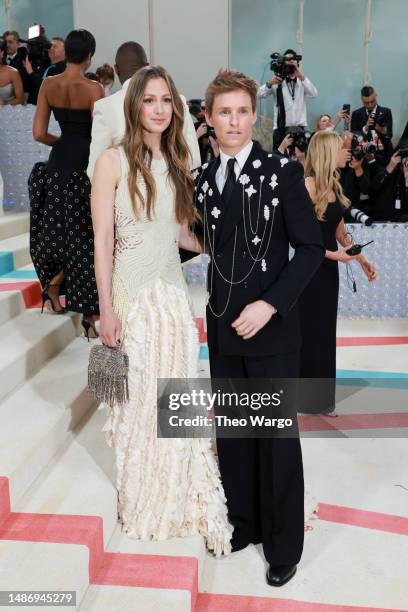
[38, 419]
[39, 566]
[20, 247]
[27, 342]
[78, 480]
[13, 225]
[134, 599]
[11, 305]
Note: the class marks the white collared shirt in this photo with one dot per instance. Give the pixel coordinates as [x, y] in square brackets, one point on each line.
[241, 157]
[10, 58]
[295, 110]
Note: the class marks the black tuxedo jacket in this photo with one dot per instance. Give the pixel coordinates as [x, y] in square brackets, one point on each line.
[359, 119]
[269, 210]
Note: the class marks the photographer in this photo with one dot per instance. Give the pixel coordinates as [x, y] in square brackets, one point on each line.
[294, 146]
[375, 122]
[355, 176]
[390, 188]
[290, 88]
[44, 59]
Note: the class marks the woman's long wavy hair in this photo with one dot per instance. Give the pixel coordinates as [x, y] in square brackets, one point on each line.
[173, 147]
[321, 163]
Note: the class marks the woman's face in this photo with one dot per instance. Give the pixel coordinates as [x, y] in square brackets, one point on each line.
[157, 106]
[343, 156]
[325, 123]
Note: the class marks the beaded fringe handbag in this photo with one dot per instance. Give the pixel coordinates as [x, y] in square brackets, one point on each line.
[108, 375]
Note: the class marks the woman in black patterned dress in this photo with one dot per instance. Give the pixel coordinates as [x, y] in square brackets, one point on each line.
[61, 236]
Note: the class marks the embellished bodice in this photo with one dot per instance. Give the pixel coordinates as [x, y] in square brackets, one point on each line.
[145, 250]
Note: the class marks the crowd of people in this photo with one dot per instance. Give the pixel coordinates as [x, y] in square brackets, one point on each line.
[119, 182]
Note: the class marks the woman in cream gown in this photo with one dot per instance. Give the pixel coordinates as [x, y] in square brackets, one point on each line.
[166, 487]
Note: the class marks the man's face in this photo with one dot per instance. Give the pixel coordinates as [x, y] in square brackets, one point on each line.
[370, 101]
[232, 118]
[12, 44]
[57, 51]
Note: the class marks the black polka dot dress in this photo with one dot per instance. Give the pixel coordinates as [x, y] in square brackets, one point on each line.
[61, 235]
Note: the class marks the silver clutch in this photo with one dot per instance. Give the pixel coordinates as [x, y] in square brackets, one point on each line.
[108, 370]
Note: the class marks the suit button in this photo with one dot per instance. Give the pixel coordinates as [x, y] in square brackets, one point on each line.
[245, 285]
[219, 255]
[243, 253]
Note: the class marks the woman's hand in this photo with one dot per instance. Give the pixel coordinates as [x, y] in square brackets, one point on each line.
[343, 256]
[368, 268]
[286, 142]
[110, 327]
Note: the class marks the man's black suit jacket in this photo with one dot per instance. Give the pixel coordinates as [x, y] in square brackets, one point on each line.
[278, 201]
[359, 118]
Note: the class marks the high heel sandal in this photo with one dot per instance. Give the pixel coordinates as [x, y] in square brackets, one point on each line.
[89, 328]
[46, 297]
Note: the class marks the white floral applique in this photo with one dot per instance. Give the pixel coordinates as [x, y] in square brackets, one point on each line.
[210, 192]
[274, 181]
[250, 191]
[244, 179]
[257, 163]
[262, 178]
[275, 202]
[263, 265]
[204, 187]
[283, 161]
[200, 197]
[204, 166]
[256, 240]
[215, 212]
[269, 154]
[266, 212]
[195, 174]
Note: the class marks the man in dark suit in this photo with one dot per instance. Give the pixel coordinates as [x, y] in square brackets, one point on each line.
[254, 205]
[374, 121]
[15, 55]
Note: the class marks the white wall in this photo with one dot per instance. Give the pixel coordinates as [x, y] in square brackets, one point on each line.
[113, 22]
[188, 37]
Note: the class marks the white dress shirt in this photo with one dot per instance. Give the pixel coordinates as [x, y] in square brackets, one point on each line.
[10, 58]
[295, 110]
[240, 157]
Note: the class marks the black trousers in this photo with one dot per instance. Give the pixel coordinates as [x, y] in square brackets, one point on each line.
[263, 478]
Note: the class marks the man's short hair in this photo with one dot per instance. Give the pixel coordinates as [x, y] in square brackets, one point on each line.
[59, 38]
[290, 51]
[12, 33]
[366, 91]
[131, 52]
[230, 80]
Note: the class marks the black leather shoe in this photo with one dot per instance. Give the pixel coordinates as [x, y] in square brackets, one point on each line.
[278, 575]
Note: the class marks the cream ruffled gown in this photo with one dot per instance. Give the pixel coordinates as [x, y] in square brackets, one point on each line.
[166, 487]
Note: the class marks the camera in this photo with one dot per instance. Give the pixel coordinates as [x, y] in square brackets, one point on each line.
[300, 140]
[378, 118]
[359, 216]
[279, 64]
[37, 48]
[359, 147]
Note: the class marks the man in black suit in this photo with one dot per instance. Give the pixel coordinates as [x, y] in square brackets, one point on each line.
[15, 55]
[374, 121]
[252, 320]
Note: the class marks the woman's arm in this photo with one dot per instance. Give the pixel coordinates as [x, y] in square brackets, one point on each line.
[42, 118]
[18, 89]
[104, 183]
[189, 241]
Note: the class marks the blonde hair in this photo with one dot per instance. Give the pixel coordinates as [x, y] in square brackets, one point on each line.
[321, 164]
[173, 145]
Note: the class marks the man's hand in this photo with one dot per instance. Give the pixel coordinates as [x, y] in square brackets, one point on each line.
[286, 142]
[298, 73]
[275, 81]
[381, 129]
[370, 123]
[201, 130]
[27, 65]
[394, 161]
[253, 318]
